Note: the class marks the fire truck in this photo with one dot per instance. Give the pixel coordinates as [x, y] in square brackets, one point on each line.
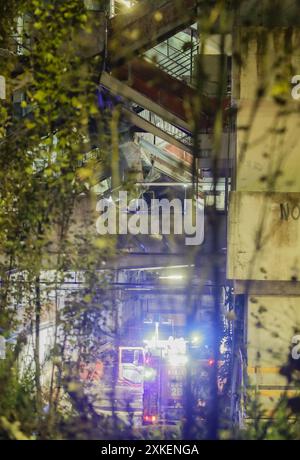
[151, 381]
[156, 375]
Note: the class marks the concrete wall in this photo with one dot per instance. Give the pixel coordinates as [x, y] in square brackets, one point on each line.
[267, 133]
[263, 244]
[272, 322]
[264, 214]
[264, 236]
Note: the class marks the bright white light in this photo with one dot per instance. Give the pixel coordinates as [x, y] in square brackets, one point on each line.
[171, 277]
[149, 374]
[138, 289]
[177, 360]
[128, 3]
[152, 343]
[197, 339]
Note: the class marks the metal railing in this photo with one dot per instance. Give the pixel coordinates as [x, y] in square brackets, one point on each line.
[167, 127]
[176, 56]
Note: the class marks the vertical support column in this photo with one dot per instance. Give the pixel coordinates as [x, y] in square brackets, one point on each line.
[112, 8]
[263, 246]
[2, 87]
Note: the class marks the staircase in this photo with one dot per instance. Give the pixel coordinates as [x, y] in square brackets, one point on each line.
[176, 55]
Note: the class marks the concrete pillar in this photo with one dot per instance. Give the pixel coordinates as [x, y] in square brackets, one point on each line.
[264, 215]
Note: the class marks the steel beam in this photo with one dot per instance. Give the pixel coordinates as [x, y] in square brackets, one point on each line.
[122, 89]
[169, 92]
[151, 128]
